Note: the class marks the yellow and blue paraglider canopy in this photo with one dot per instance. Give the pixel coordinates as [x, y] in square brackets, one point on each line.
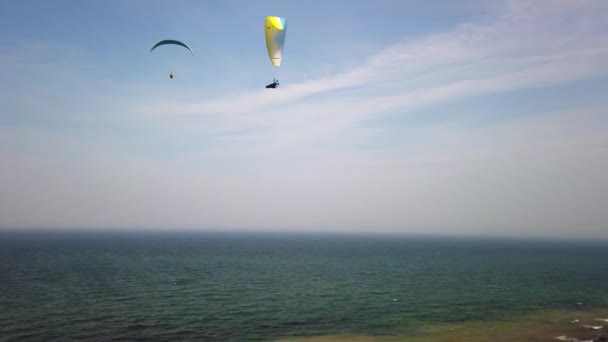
[171, 42]
[275, 29]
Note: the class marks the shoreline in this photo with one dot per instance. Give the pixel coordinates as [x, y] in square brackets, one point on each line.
[569, 326]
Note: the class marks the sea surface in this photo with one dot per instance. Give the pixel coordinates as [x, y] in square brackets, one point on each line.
[106, 286]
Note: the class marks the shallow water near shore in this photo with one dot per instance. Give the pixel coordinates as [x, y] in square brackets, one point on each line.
[574, 325]
[260, 287]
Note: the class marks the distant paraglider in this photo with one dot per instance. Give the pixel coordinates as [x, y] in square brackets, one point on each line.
[274, 84]
[275, 29]
[171, 42]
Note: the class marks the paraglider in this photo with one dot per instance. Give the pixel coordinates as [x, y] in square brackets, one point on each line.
[171, 42]
[274, 84]
[275, 29]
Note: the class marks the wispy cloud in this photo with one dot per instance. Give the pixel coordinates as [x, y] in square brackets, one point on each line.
[531, 175]
[304, 156]
[518, 46]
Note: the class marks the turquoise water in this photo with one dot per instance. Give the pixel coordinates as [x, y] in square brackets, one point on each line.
[248, 287]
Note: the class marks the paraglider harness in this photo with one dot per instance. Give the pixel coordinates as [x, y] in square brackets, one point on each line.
[274, 84]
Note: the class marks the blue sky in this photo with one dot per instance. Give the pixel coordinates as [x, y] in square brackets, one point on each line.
[392, 116]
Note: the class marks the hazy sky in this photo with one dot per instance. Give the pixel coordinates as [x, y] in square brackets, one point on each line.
[422, 116]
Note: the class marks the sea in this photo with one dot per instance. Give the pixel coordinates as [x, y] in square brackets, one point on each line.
[238, 286]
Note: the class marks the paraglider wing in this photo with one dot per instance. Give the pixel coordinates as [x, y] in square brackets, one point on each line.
[171, 42]
[276, 29]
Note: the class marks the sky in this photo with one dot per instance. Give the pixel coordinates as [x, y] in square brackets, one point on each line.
[424, 117]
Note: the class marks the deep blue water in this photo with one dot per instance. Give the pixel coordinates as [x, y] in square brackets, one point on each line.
[62, 286]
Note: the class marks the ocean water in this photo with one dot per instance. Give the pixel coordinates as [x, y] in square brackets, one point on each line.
[63, 286]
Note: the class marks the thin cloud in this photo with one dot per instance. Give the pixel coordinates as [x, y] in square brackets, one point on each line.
[292, 159]
[520, 46]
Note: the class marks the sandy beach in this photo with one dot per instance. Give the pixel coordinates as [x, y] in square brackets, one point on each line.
[571, 326]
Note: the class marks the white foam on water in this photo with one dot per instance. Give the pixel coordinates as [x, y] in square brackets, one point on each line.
[570, 339]
[594, 327]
